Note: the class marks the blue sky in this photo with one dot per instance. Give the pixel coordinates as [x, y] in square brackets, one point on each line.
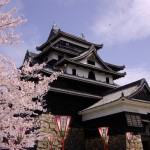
[123, 26]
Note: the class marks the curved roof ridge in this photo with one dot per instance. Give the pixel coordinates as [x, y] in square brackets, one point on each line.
[120, 67]
[84, 54]
[135, 83]
[143, 83]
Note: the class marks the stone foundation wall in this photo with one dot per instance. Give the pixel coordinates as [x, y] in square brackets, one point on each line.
[115, 143]
[75, 139]
[118, 142]
[135, 144]
[48, 126]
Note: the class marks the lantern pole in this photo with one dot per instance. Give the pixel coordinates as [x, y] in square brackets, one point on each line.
[63, 143]
[63, 123]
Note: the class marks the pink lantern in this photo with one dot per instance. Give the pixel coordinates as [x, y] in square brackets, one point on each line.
[104, 134]
[129, 136]
[63, 123]
[103, 131]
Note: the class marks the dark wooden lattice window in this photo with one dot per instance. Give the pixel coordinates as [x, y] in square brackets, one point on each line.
[134, 120]
[91, 75]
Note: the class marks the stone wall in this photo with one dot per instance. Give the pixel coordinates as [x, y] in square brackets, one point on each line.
[48, 125]
[115, 143]
[135, 144]
[118, 142]
[75, 139]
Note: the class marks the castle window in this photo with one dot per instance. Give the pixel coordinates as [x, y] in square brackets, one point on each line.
[107, 80]
[91, 62]
[91, 75]
[74, 71]
[60, 57]
[133, 120]
[67, 44]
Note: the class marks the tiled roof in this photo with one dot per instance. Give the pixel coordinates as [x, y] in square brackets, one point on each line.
[117, 93]
[84, 54]
[65, 34]
[115, 67]
[31, 54]
[87, 53]
[48, 48]
[72, 92]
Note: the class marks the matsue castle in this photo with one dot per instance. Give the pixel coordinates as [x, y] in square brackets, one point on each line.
[86, 91]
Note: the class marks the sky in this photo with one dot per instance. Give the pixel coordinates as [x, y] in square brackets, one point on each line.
[122, 26]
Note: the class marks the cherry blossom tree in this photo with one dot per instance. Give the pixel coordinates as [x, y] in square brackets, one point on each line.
[21, 91]
[8, 23]
[18, 111]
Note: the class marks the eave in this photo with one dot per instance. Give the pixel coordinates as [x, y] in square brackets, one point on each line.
[70, 36]
[71, 92]
[50, 48]
[120, 105]
[115, 67]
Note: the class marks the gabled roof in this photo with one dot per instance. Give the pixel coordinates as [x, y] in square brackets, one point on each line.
[127, 91]
[88, 53]
[49, 48]
[29, 55]
[75, 61]
[61, 33]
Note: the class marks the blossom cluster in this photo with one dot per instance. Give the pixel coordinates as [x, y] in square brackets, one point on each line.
[21, 100]
[8, 23]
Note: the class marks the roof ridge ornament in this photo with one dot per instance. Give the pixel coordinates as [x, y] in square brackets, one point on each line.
[55, 26]
[82, 36]
[122, 94]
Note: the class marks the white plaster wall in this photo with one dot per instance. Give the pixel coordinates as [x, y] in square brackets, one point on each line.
[82, 72]
[96, 63]
[52, 55]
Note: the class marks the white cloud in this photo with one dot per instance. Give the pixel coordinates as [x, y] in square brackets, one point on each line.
[122, 21]
[134, 74]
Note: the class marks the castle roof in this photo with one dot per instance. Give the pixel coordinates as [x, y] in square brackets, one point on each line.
[54, 34]
[127, 91]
